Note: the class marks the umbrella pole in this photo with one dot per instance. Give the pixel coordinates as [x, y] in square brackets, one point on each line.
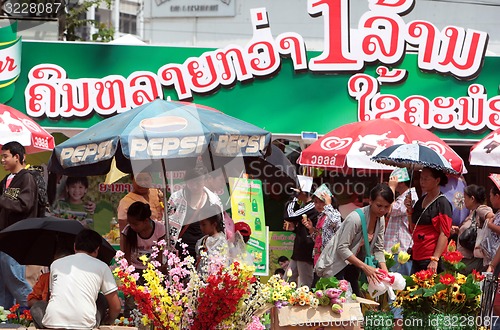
[411, 177]
[165, 204]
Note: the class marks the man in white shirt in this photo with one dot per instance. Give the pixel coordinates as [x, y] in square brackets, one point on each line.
[75, 282]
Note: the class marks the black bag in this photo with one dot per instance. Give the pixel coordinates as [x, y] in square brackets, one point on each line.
[43, 200]
[467, 239]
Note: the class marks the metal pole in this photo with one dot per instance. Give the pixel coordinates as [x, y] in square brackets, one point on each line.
[91, 25]
[116, 18]
[140, 20]
[165, 204]
[489, 288]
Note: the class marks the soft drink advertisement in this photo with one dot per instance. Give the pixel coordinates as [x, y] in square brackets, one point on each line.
[247, 205]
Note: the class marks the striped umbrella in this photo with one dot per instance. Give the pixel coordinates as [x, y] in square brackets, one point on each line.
[414, 156]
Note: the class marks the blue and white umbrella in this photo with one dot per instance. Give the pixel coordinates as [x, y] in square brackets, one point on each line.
[414, 156]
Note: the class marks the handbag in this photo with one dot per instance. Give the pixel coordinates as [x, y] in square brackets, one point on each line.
[467, 238]
[326, 259]
[369, 258]
[490, 243]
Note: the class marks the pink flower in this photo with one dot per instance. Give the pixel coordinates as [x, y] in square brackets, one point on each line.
[344, 285]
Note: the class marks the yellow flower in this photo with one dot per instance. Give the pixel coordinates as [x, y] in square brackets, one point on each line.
[395, 248]
[403, 257]
[455, 288]
[412, 288]
[289, 273]
[459, 297]
[461, 279]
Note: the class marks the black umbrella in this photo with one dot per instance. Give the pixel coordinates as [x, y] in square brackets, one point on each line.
[34, 241]
[414, 156]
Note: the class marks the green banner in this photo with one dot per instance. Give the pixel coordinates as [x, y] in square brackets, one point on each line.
[247, 205]
[80, 84]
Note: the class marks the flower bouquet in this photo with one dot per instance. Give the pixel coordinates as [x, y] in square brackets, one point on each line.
[448, 300]
[328, 301]
[16, 316]
[225, 295]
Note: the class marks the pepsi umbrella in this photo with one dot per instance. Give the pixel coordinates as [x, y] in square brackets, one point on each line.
[34, 241]
[158, 134]
[157, 137]
[414, 156]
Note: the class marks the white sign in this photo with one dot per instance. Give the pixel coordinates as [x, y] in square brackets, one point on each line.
[193, 8]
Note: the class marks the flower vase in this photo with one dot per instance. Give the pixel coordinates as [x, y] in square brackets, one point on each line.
[378, 320]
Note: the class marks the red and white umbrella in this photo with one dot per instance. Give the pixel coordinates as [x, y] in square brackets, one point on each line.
[486, 152]
[353, 145]
[16, 126]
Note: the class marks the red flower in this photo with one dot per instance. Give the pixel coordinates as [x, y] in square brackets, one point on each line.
[478, 277]
[447, 279]
[453, 257]
[14, 308]
[424, 275]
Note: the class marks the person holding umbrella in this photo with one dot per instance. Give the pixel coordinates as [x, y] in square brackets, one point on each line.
[18, 201]
[429, 221]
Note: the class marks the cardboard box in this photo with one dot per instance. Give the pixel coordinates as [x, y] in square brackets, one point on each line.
[322, 317]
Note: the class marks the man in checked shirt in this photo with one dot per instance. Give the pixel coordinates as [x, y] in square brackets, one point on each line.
[396, 228]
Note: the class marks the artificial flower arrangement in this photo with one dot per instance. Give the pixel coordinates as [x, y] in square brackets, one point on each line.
[447, 293]
[16, 316]
[225, 295]
[328, 291]
[389, 282]
[401, 259]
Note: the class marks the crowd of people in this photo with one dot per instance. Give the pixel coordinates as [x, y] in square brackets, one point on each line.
[422, 226]
[330, 240]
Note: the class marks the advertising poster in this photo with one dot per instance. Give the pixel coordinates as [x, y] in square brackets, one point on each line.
[247, 205]
[280, 244]
[106, 198]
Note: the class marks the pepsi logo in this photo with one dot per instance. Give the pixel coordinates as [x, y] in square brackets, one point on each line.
[164, 124]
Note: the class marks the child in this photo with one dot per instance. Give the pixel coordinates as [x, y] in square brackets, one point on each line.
[137, 239]
[244, 229]
[74, 206]
[214, 242]
[140, 233]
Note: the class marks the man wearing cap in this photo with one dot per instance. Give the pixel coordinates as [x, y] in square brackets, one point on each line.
[302, 259]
